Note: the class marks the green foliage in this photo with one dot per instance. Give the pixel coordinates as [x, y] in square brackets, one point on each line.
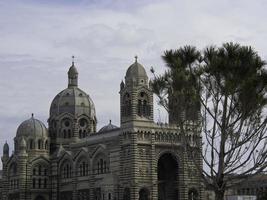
[229, 83]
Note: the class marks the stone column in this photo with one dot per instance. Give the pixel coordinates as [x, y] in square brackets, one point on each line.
[54, 180]
[134, 154]
[75, 130]
[74, 184]
[22, 169]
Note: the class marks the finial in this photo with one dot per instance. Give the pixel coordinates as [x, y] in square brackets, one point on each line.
[110, 121]
[72, 60]
[32, 115]
[136, 58]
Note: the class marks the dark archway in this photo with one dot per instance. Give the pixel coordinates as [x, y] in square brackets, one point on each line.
[167, 177]
[39, 198]
[193, 194]
[144, 194]
[126, 194]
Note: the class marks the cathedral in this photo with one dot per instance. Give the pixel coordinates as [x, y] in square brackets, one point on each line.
[71, 160]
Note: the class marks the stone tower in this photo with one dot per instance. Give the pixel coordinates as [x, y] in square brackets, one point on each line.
[136, 98]
[26, 171]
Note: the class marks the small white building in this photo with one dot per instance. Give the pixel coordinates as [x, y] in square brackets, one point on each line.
[240, 197]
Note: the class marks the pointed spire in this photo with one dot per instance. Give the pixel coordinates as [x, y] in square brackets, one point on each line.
[110, 121]
[32, 115]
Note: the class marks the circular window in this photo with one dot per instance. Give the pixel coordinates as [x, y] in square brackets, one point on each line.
[83, 122]
[67, 123]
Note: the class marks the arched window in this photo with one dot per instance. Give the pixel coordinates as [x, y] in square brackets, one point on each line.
[65, 133]
[33, 183]
[193, 194]
[40, 183]
[31, 144]
[82, 168]
[66, 170]
[126, 105]
[40, 144]
[69, 133]
[45, 183]
[143, 105]
[39, 170]
[126, 194]
[40, 176]
[46, 145]
[101, 166]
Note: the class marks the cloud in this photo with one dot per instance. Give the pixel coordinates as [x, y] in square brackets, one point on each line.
[38, 38]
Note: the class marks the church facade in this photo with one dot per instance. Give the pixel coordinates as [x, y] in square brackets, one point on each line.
[71, 160]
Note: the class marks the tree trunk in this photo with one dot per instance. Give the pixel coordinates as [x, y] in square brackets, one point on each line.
[219, 195]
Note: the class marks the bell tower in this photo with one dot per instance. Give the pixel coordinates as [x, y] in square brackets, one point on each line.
[136, 97]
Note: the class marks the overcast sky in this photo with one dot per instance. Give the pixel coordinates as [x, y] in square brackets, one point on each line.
[38, 38]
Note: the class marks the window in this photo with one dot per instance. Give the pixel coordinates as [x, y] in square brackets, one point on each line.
[102, 166]
[83, 169]
[143, 108]
[45, 183]
[126, 105]
[31, 144]
[46, 145]
[67, 171]
[33, 183]
[40, 144]
[39, 170]
[40, 183]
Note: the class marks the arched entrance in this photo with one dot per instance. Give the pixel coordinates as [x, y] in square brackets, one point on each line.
[167, 177]
[144, 194]
[39, 198]
[193, 194]
[126, 194]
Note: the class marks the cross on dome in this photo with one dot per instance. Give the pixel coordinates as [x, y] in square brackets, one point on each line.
[72, 59]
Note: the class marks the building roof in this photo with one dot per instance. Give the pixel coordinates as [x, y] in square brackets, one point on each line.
[108, 127]
[136, 70]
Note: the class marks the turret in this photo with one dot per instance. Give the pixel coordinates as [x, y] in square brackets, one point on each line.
[6, 150]
[136, 95]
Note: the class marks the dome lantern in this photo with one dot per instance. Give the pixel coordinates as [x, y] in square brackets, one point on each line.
[73, 75]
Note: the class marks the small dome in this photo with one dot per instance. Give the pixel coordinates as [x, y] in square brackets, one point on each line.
[32, 127]
[136, 70]
[73, 100]
[73, 70]
[108, 127]
[6, 149]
